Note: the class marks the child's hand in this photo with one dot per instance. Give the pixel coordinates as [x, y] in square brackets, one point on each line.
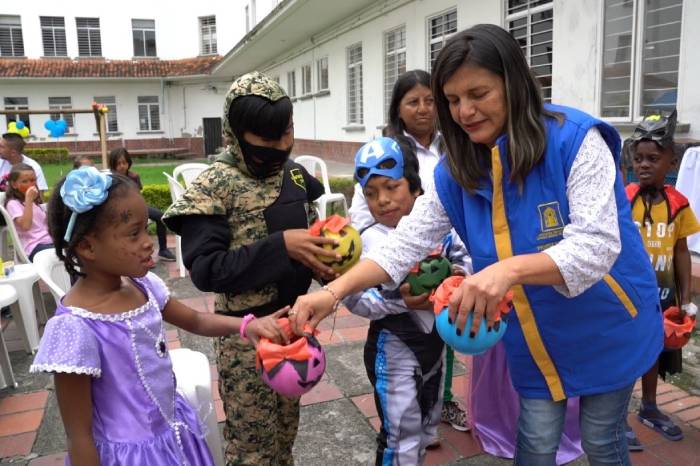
[31, 194]
[458, 270]
[266, 327]
[302, 246]
[417, 303]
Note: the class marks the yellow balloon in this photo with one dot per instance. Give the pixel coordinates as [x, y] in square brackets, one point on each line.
[12, 128]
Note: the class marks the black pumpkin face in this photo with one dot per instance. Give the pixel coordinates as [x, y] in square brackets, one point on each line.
[430, 272]
[349, 247]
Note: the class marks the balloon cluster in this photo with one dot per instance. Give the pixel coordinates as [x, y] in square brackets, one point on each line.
[18, 127]
[56, 128]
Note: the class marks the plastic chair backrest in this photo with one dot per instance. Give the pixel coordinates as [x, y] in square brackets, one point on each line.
[20, 255]
[189, 171]
[310, 163]
[52, 272]
[176, 189]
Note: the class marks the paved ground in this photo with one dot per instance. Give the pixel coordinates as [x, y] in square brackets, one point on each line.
[338, 418]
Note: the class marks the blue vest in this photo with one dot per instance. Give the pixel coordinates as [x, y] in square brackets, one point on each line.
[558, 347]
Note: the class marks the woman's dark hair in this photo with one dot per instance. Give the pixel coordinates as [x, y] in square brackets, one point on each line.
[405, 83]
[116, 154]
[410, 163]
[494, 49]
[260, 116]
[99, 217]
[12, 193]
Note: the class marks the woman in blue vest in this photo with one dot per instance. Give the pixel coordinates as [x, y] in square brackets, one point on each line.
[534, 193]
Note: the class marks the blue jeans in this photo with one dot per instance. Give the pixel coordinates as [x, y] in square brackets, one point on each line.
[602, 420]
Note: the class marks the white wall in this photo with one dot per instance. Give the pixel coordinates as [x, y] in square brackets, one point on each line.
[177, 24]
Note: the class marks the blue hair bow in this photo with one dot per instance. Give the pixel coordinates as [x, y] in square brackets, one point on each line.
[84, 188]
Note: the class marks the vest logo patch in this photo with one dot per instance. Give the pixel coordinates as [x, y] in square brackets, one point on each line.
[551, 221]
[297, 178]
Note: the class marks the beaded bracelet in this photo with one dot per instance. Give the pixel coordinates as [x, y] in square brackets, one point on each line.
[336, 305]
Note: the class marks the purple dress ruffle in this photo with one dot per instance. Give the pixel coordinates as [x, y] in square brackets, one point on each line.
[138, 416]
[494, 408]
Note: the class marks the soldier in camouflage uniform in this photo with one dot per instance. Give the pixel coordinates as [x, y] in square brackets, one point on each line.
[243, 224]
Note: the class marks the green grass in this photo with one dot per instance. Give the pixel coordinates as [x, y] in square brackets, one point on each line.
[151, 173]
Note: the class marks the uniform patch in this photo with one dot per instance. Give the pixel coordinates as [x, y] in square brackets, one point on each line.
[297, 177]
[551, 221]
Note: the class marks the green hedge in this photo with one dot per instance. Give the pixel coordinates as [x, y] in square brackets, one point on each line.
[48, 155]
[157, 195]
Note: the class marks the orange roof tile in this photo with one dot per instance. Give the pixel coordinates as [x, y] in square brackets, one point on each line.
[92, 68]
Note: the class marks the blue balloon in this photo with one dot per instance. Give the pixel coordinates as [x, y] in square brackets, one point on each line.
[48, 124]
[56, 128]
[465, 344]
[19, 124]
[62, 124]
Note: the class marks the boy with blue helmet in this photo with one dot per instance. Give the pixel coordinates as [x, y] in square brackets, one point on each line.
[403, 352]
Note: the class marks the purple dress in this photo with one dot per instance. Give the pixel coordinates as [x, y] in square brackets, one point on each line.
[494, 407]
[138, 417]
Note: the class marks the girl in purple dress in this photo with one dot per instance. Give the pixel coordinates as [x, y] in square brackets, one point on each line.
[106, 345]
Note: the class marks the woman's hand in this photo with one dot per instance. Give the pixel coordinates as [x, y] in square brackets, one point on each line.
[304, 247]
[267, 327]
[310, 308]
[418, 303]
[480, 293]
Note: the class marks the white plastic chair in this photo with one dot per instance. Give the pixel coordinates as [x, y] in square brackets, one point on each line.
[52, 272]
[8, 297]
[329, 203]
[193, 378]
[176, 190]
[189, 171]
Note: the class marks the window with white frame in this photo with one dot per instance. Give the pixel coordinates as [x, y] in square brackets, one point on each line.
[641, 50]
[322, 74]
[306, 79]
[394, 61]
[11, 41]
[207, 34]
[144, 34]
[149, 113]
[89, 40]
[354, 75]
[111, 103]
[62, 103]
[530, 23]
[440, 28]
[17, 103]
[292, 84]
[53, 36]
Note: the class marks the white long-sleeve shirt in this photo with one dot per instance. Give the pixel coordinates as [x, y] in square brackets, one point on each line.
[591, 240]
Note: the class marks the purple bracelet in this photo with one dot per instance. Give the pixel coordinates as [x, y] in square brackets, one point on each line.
[244, 324]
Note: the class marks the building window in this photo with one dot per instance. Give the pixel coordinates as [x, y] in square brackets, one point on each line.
[354, 60]
[144, 31]
[62, 103]
[53, 35]
[111, 104]
[207, 32]
[292, 84]
[394, 61]
[440, 28]
[322, 73]
[530, 23]
[11, 42]
[641, 50]
[306, 79]
[247, 19]
[276, 79]
[17, 103]
[149, 113]
[89, 41]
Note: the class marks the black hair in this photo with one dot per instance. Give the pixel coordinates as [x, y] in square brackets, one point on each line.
[260, 116]
[116, 154]
[492, 48]
[405, 83]
[78, 158]
[15, 140]
[12, 193]
[58, 216]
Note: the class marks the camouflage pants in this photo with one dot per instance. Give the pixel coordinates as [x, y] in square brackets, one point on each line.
[260, 424]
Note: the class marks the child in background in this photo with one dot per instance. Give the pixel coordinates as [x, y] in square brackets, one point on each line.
[403, 353]
[120, 162]
[106, 344]
[82, 161]
[665, 220]
[24, 204]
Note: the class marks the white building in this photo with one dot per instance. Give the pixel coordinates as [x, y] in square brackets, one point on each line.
[338, 60]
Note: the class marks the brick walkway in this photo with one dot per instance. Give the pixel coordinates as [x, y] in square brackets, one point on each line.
[22, 410]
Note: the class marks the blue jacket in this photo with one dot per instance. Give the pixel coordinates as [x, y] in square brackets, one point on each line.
[559, 347]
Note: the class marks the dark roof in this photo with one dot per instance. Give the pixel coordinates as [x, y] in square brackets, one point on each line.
[100, 68]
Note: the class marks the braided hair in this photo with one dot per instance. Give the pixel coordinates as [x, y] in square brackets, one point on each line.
[98, 217]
